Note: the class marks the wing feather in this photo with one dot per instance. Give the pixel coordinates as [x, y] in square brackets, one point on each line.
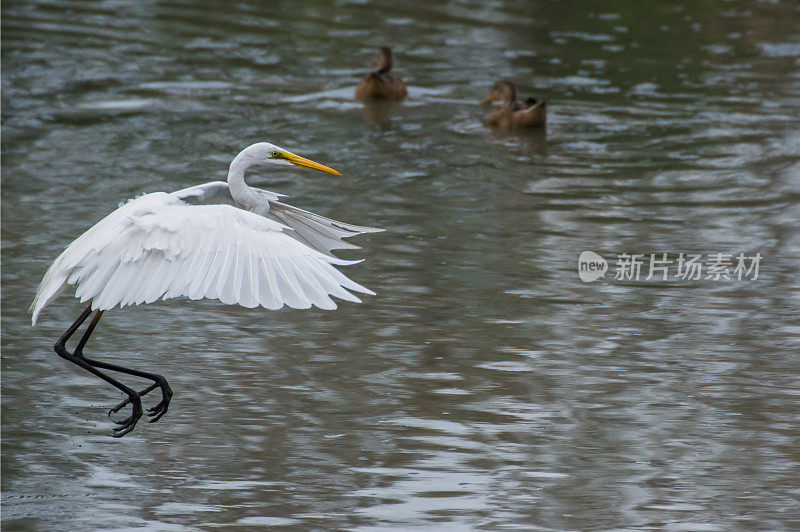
[205, 265]
[326, 280]
[238, 268]
[320, 233]
[288, 285]
[160, 246]
[223, 275]
[270, 296]
[246, 297]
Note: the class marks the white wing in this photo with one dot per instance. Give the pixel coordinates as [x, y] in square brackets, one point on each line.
[158, 246]
[322, 234]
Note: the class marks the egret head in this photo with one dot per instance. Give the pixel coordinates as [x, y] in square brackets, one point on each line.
[266, 153]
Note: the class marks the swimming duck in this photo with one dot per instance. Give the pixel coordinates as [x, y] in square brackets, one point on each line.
[382, 83]
[512, 114]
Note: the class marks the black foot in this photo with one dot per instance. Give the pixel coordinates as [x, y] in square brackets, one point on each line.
[127, 424]
[157, 411]
[161, 408]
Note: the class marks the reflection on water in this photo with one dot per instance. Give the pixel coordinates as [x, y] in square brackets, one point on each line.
[379, 113]
[485, 386]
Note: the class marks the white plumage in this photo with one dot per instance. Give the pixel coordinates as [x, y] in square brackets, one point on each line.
[200, 242]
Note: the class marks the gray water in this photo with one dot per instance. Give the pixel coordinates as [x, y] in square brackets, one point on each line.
[485, 386]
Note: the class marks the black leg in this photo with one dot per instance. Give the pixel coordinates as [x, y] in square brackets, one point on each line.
[157, 411]
[133, 396]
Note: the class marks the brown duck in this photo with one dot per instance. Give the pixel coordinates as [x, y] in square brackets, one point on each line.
[513, 114]
[382, 83]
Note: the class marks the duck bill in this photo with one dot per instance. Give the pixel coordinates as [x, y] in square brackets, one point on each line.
[307, 163]
[490, 99]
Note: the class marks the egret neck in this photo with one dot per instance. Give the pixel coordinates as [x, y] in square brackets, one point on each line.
[240, 191]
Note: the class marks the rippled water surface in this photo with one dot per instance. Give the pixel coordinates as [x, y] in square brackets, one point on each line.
[485, 386]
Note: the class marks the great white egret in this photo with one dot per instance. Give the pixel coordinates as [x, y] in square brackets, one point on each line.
[225, 241]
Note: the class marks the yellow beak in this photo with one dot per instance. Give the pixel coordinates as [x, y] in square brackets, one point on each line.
[306, 163]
